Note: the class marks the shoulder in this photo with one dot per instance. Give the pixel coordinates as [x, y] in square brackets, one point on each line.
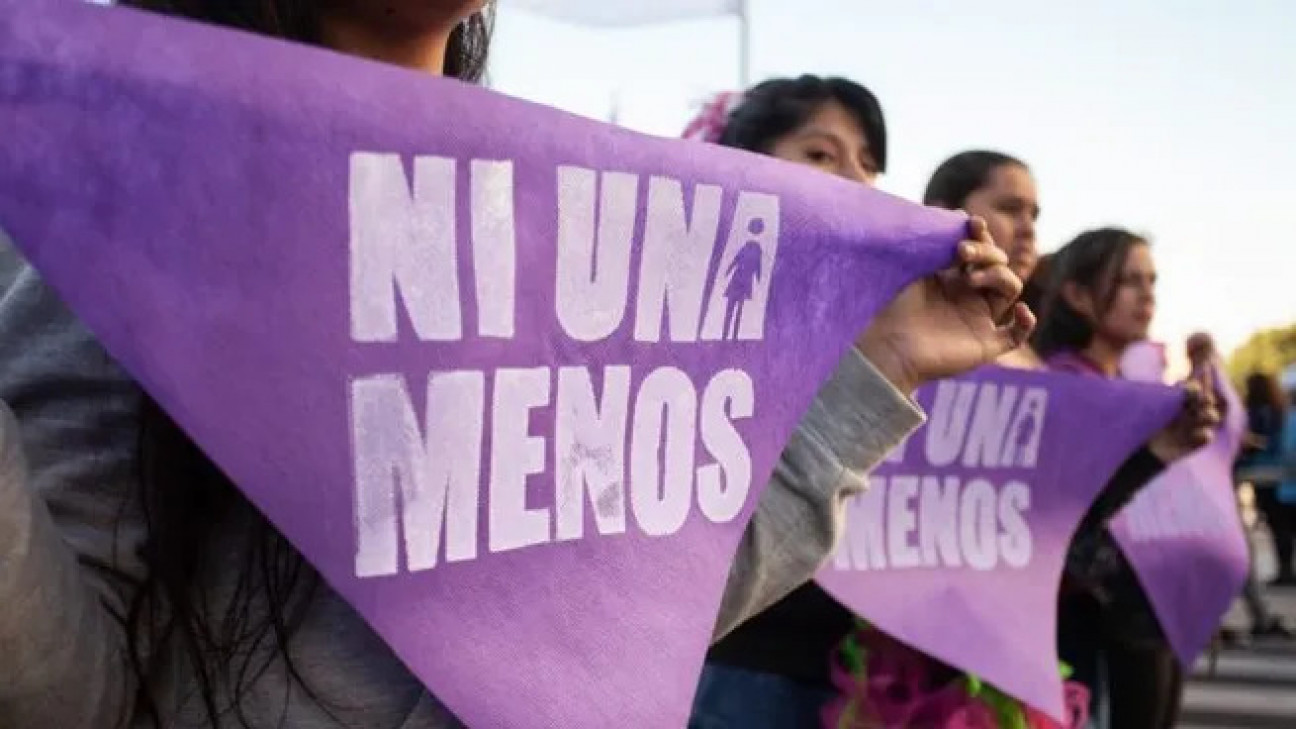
[43, 339]
[67, 393]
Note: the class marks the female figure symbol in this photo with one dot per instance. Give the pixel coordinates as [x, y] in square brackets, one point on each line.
[743, 273]
[1026, 429]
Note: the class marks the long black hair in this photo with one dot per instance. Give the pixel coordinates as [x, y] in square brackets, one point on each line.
[1092, 261]
[298, 20]
[1036, 287]
[773, 109]
[184, 495]
[963, 174]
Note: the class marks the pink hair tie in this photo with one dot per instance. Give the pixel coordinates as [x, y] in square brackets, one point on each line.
[709, 125]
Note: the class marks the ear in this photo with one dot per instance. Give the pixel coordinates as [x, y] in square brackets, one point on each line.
[1078, 298]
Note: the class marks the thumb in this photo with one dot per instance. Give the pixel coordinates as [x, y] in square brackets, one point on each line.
[978, 230]
[1208, 381]
[1206, 384]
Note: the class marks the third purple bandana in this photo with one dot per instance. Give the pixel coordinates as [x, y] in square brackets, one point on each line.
[1184, 538]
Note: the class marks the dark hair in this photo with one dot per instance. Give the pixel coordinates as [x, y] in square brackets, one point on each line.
[1092, 261]
[298, 20]
[1036, 286]
[963, 174]
[184, 496]
[1264, 390]
[775, 108]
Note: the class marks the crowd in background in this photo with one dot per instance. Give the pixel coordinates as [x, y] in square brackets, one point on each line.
[1095, 298]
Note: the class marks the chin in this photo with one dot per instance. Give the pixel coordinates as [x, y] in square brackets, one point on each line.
[466, 8]
[1125, 339]
[446, 11]
[1023, 264]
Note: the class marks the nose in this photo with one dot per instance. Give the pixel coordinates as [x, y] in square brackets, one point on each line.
[1021, 247]
[1026, 228]
[1147, 290]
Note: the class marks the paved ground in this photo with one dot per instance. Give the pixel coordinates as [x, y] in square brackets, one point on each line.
[1251, 688]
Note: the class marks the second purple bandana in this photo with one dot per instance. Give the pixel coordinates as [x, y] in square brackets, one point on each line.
[513, 381]
[957, 548]
[1184, 538]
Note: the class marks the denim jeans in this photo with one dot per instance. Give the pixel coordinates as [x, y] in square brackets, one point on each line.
[735, 698]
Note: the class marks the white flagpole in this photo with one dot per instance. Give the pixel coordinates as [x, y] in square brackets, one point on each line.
[744, 43]
[614, 112]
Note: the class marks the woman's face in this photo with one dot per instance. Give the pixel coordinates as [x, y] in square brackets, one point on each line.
[832, 141]
[1009, 205]
[1133, 301]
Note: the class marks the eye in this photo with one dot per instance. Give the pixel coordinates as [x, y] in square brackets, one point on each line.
[820, 156]
[1137, 278]
[1009, 207]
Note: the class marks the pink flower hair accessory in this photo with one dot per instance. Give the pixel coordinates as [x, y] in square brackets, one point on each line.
[710, 122]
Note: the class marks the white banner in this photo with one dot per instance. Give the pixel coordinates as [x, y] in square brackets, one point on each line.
[611, 13]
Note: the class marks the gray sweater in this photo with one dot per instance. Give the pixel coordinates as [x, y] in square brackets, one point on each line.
[70, 522]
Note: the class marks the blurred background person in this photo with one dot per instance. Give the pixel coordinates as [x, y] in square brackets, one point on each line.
[1099, 300]
[1261, 460]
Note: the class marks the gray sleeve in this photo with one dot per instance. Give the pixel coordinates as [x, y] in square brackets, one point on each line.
[856, 419]
[69, 535]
